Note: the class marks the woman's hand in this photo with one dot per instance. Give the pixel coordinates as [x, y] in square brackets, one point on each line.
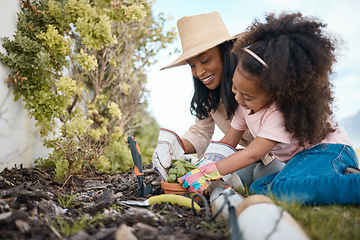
[169, 146]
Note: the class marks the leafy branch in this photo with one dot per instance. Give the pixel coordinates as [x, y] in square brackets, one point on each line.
[80, 67]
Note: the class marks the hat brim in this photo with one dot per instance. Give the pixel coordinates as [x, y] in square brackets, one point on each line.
[181, 60]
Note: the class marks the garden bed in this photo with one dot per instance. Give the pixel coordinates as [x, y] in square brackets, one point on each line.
[33, 205]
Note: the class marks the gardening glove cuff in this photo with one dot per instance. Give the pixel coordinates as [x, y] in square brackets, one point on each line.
[169, 146]
[215, 152]
[198, 179]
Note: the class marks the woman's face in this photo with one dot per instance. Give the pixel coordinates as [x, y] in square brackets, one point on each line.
[208, 67]
[247, 93]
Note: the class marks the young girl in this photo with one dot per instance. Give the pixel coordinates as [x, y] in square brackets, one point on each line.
[207, 46]
[282, 86]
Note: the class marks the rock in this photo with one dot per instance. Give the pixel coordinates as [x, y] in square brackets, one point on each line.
[23, 226]
[81, 235]
[124, 233]
[93, 184]
[4, 216]
[50, 206]
[4, 207]
[144, 215]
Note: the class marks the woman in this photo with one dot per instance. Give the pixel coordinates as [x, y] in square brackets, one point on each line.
[207, 45]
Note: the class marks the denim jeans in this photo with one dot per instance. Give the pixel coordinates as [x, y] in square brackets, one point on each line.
[315, 176]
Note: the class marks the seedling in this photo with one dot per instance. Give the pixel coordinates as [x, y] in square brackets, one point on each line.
[67, 201]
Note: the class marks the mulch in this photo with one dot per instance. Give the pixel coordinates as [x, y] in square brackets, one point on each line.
[30, 209]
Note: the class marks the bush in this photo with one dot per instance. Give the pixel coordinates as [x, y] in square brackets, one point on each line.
[80, 68]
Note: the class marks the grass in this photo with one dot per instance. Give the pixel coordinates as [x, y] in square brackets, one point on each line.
[68, 227]
[358, 152]
[326, 222]
[67, 201]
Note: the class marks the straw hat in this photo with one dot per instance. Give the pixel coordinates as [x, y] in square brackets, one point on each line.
[199, 33]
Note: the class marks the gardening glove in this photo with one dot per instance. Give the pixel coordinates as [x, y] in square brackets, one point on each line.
[198, 179]
[169, 147]
[215, 152]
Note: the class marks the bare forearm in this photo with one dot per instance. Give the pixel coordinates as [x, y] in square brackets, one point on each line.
[243, 158]
[189, 148]
[232, 136]
[235, 162]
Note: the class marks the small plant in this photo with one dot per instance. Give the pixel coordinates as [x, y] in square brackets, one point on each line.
[220, 228]
[115, 208]
[179, 168]
[70, 227]
[67, 201]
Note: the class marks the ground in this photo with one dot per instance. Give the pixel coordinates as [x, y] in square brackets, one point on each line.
[33, 205]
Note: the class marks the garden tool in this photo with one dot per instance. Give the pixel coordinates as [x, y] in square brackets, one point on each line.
[173, 199]
[142, 191]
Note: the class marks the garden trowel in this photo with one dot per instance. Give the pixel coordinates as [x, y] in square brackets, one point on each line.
[142, 191]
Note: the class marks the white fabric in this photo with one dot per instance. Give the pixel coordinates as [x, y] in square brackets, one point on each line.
[169, 147]
[215, 152]
[173, 140]
[158, 167]
[220, 150]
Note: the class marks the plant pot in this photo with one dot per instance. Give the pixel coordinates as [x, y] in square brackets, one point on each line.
[172, 188]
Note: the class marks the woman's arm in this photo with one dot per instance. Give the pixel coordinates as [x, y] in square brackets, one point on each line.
[198, 137]
[189, 148]
[243, 158]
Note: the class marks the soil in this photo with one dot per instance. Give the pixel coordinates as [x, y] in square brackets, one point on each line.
[33, 205]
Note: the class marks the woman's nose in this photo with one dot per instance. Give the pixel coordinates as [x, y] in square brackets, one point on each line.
[200, 71]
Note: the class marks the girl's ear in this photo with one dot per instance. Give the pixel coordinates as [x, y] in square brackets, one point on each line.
[271, 99]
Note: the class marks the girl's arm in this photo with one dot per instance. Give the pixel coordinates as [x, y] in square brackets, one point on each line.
[257, 149]
[232, 136]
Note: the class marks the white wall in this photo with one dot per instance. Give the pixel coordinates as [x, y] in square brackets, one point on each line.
[20, 141]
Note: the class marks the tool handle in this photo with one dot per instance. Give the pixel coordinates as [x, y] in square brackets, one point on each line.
[136, 155]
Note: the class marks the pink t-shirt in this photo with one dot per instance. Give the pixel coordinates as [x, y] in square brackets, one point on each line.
[269, 123]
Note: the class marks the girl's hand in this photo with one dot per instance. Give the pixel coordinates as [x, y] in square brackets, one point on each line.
[198, 179]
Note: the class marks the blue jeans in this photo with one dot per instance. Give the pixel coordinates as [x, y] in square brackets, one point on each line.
[315, 176]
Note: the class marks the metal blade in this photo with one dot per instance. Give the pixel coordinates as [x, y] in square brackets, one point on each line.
[137, 203]
[147, 190]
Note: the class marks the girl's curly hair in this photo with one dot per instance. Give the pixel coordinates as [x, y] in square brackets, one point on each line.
[299, 56]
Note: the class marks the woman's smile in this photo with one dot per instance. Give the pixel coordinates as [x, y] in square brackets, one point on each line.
[208, 67]
[208, 79]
